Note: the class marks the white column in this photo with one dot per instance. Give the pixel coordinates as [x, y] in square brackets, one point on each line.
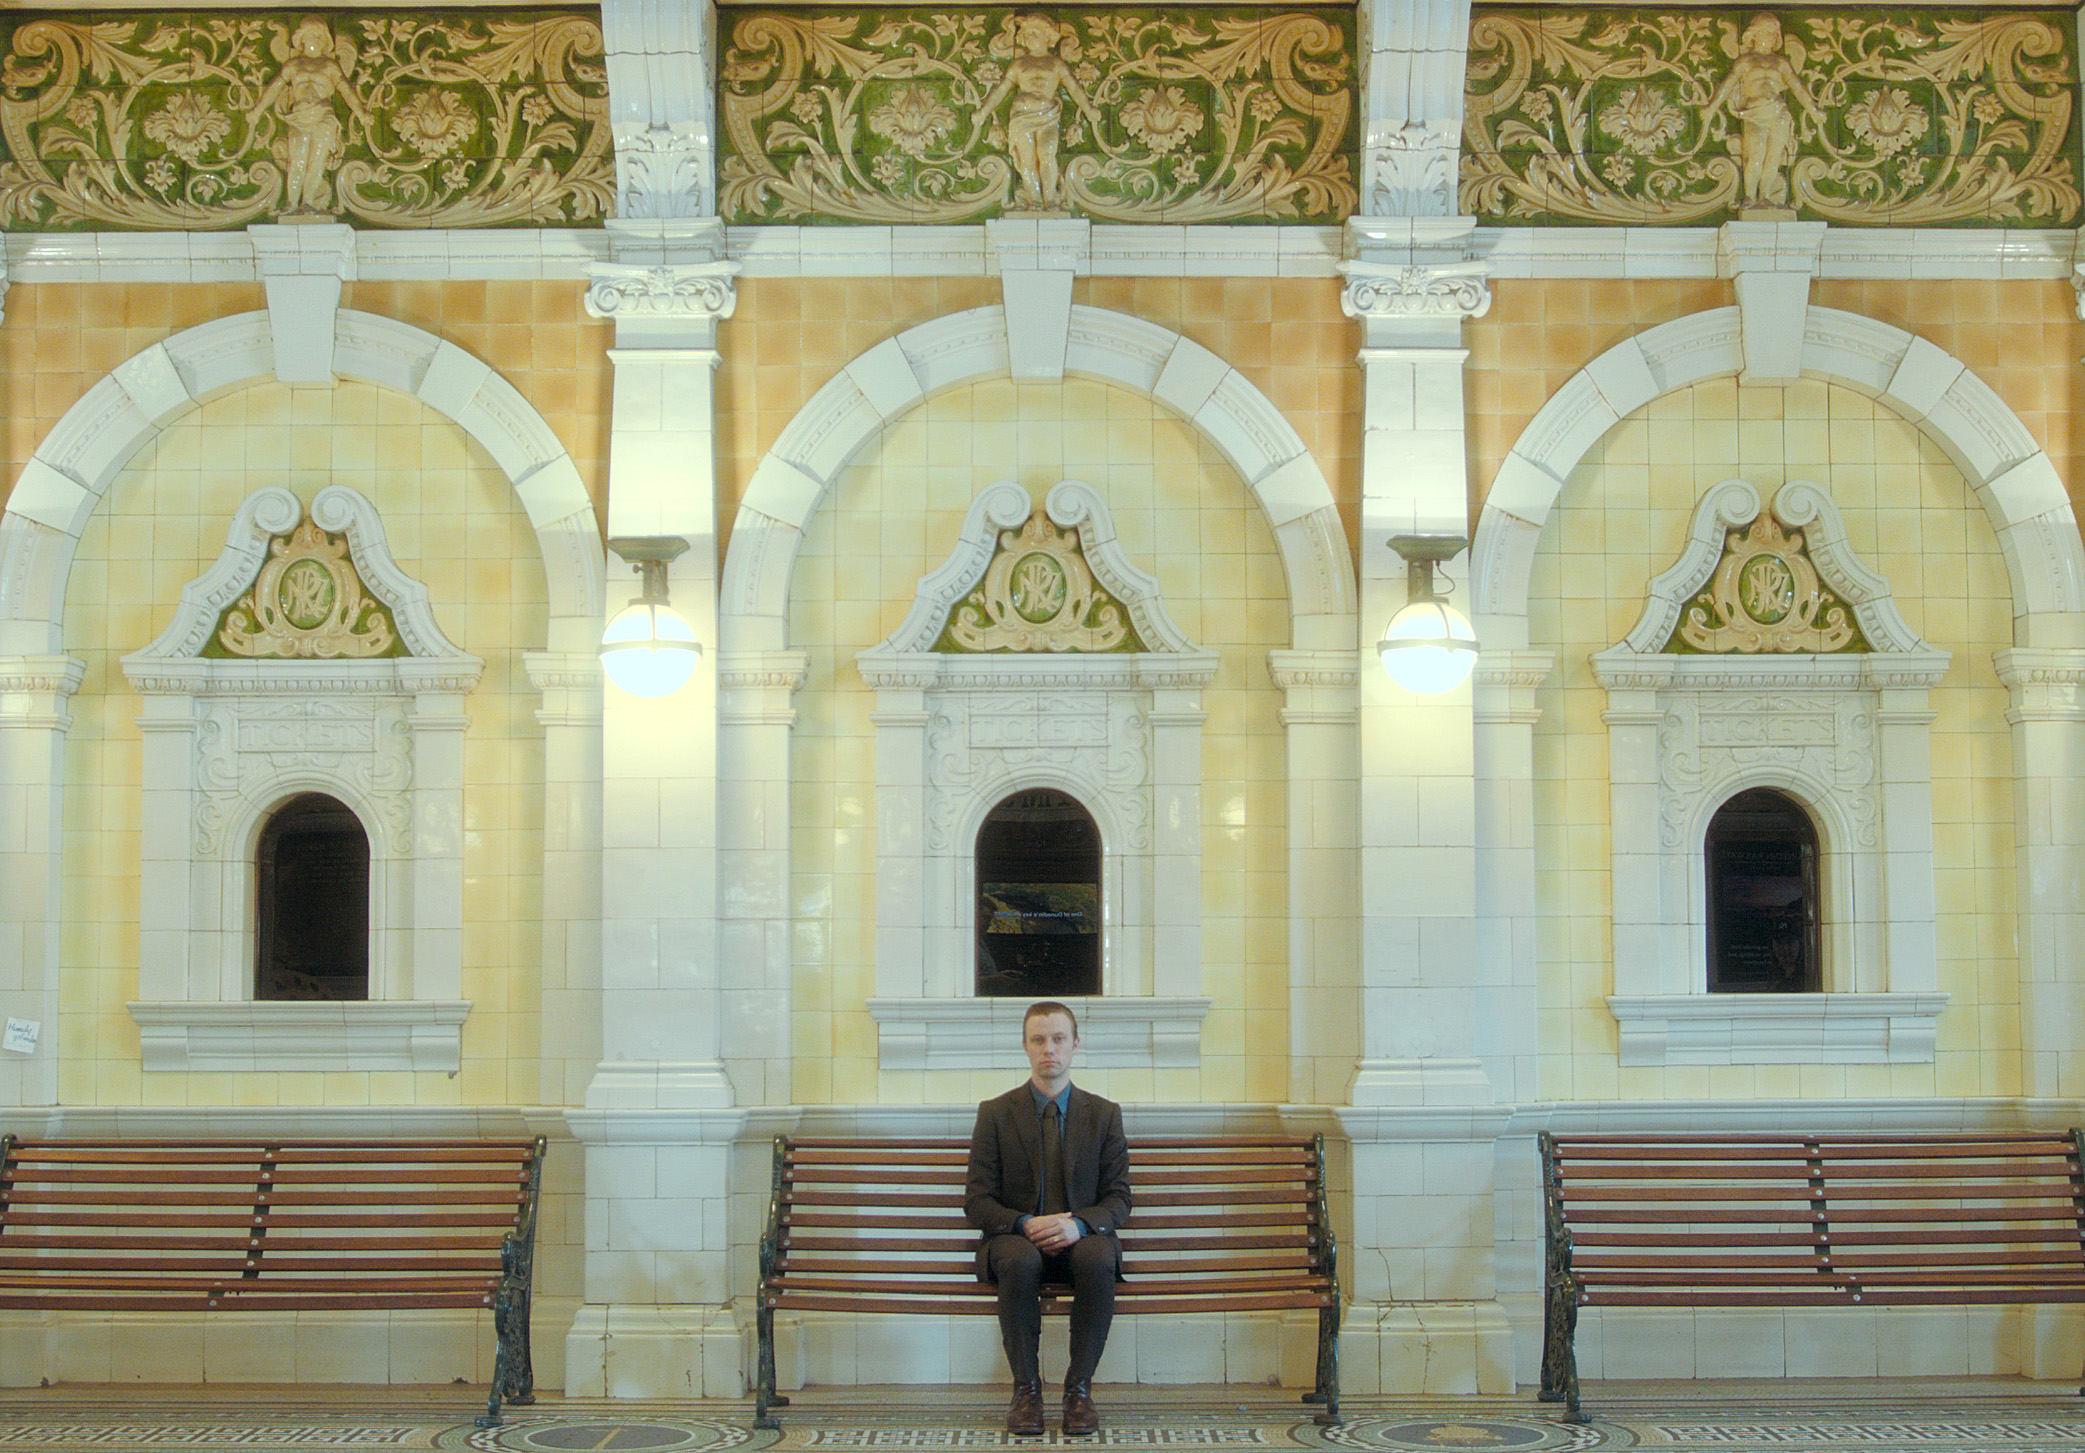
[906, 966]
[1904, 764]
[1411, 285]
[1324, 942]
[2048, 721]
[755, 921]
[188, 898]
[1175, 963]
[570, 1047]
[1505, 714]
[34, 691]
[659, 1120]
[1425, 1315]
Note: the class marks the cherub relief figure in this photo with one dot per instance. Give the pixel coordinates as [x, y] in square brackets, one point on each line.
[314, 70]
[1766, 65]
[1041, 53]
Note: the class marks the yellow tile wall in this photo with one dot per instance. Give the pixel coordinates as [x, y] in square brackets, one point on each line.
[1183, 514]
[453, 523]
[1619, 522]
[1622, 519]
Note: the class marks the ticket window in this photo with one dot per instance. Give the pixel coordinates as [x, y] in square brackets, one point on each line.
[312, 902]
[1763, 918]
[1038, 898]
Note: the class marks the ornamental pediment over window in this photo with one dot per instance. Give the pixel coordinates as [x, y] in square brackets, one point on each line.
[307, 602]
[1767, 583]
[1026, 581]
[1039, 594]
[318, 588]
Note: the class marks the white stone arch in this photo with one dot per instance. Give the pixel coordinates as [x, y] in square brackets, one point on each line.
[889, 379]
[65, 479]
[2009, 473]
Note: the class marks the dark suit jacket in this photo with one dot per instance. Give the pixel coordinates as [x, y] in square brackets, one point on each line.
[1006, 1164]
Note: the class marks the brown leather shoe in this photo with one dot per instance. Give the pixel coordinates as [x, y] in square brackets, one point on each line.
[1080, 1419]
[1024, 1415]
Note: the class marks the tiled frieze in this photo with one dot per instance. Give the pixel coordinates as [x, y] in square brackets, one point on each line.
[192, 121]
[1690, 118]
[956, 114]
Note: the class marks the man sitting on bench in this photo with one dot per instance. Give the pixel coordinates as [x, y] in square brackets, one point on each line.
[1048, 1185]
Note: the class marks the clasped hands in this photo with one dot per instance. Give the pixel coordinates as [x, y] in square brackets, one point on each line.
[1052, 1233]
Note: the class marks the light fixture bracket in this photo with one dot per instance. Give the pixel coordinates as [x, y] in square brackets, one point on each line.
[651, 554]
[1421, 553]
[648, 648]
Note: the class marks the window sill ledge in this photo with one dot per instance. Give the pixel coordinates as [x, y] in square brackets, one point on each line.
[1777, 1029]
[418, 1034]
[985, 1034]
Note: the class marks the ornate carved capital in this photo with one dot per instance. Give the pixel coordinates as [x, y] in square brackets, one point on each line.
[41, 675]
[663, 172]
[702, 290]
[1428, 290]
[1409, 170]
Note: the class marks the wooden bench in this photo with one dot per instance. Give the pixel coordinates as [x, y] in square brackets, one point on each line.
[276, 1226]
[1802, 1221]
[1221, 1224]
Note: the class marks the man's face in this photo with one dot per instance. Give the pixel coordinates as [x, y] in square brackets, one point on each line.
[1051, 1044]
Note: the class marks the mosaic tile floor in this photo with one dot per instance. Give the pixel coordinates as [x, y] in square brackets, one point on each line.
[1753, 1417]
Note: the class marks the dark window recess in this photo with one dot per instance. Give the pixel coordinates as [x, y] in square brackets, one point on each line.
[312, 903]
[1762, 892]
[1038, 898]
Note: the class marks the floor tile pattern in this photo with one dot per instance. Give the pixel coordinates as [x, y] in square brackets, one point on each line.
[1759, 1418]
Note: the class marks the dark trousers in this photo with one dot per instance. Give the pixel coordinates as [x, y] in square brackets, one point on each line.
[1018, 1269]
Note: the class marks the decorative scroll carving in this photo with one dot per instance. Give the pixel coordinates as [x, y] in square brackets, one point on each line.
[1689, 117]
[1766, 596]
[681, 290]
[661, 173]
[951, 115]
[980, 746]
[307, 602]
[1454, 290]
[1823, 742]
[190, 121]
[1038, 594]
[1411, 171]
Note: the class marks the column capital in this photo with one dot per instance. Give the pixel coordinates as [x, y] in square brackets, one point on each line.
[662, 171]
[1405, 270]
[1450, 290]
[2044, 683]
[1408, 167]
[699, 292]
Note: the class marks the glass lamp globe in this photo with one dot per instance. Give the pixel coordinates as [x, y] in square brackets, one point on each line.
[1429, 648]
[648, 650]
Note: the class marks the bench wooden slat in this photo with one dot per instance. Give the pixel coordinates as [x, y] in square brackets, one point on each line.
[204, 1225]
[1800, 1220]
[1231, 1223]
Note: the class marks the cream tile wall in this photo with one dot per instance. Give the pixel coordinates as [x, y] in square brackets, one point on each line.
[1620, 520]
[453, 522]
[1182, 514]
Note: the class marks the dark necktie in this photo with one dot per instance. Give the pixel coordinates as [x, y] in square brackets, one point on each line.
[1052, 1200]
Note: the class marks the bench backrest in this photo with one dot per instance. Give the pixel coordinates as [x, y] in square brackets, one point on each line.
[1893, 1217]
[1243, 1218]
[119, 1223]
